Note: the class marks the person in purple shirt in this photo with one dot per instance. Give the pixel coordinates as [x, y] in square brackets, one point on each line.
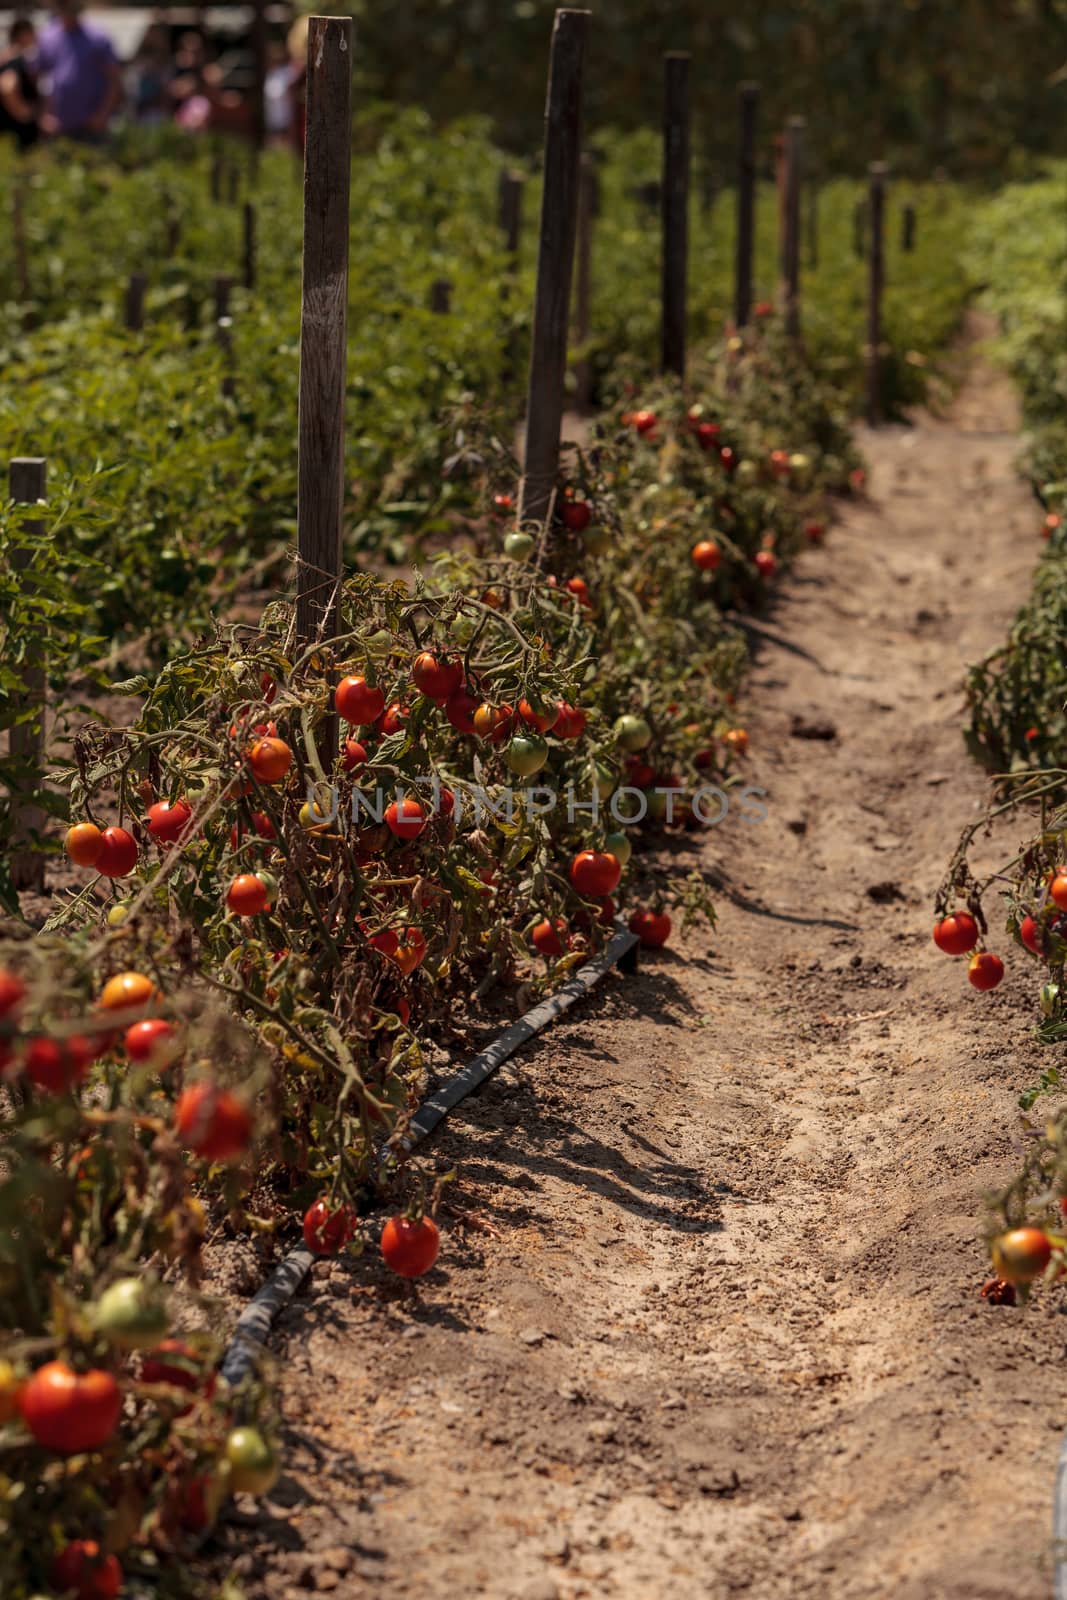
[86, 85]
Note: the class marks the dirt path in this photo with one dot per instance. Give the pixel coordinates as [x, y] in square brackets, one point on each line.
[728, 1339]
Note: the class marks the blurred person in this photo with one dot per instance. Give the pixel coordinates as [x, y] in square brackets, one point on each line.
[85, 84]
[150, 75]
[194, 87]
[20, 97]
[277, 96]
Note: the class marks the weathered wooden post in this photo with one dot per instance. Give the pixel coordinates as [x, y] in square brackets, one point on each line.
[583, 282]
[511, 185]
[748, 99]
[793, 178]
[876, 283]
[27, 481]
[555, 261]
[133, 308]
[248, 262]
[675, 191]
[324, 330]
[907, 229]
[441, 296]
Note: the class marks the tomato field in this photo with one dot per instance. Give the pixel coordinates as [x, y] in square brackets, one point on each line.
[487, 577]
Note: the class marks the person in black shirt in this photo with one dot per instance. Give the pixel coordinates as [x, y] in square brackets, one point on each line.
[20, 98]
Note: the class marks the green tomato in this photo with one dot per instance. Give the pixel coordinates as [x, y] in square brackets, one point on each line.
[633, 733]
[526, 754]
[519, 546]
[605, 779]
[746, 474]
[117, 914]
[254, 1467]
[129, 1315]
[596, 540]
[800, 470]
[1050, 995]
[618, 845]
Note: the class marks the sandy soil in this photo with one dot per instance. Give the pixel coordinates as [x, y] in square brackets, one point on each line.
[723, 1336]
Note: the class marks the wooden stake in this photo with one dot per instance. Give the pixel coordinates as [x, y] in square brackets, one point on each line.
[907, 229]
[441, 296]
[511, 186]
[748, 105]
[876, 283]
[793, 175]
[324, 329]
[133, 310]
[555, 261]
[675, 212]
[27, 478]
[583, 379]
[222, 286]
[249, 261]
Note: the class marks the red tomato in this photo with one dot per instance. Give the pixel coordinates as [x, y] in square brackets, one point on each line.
[446, 802]
[594, 873]
[653, 928]
[213, 1122]
[117, 855]
[81, 1570]
[393, 719]
[570, 721]
[154, 1041]
[543, 720]
[248, 895]
[577, 514]
[502, 504]
[358, 701]
[1030, 934]
[460, 708]
[439, 677]
[128, 989]
[406, 818]
[327, 1230]
[1058, 889]
[766, 563]
[708, 434]
[814, 532]
[175, 1363]
[387, 940]
[706, 555]
[12, 994]
[354, 756]
[83, 844]
[984, 971]
[1051, 523]
[410, 1248]
[53, 1066]
[409, 951]
[728, 458]
[580, 589]
[956, 934]
[167, 822]
[1021, 1255]
[270, 759]
[645, 422]
[549, 937]
[69, 1411]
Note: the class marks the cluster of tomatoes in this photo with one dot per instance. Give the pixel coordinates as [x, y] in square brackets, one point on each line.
[957, 935]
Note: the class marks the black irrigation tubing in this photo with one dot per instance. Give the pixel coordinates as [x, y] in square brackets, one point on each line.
[254, 1324]
[1059, 1526]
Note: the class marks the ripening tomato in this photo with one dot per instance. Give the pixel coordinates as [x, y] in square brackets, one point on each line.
[580, 589]
[53, 1066]
[814, 531]
[1050, 524]
[248, 895]
[177, 1364]
[708, 435]
[1030, 934]
[153, 1041]
[1021, 1255]
[737, 739]
[577, 515]
[393, 719]
[956, 934]
[82, 1571]
[595, 873]
[437, 676]
[570, 721]
[117, 855]
[83, 844]
[653, 928]
[386, 940]
[410, 1247]
[550, 937]
[766, 563]
[126, 990]
[326, 1229]
[270, 759]
[706, 555]
[1058, 888]
[262, 825]
[354, 756]
[358, 701]
[410, 950]
[213, 1122]
[503, 503]
[728, 457]
[70, 1411]
[12, 994]
[543, 719]
[167, 822]
[460, 709]
[645, 422]
[488, 720]
[446, 802]
[406, 818]
[985, 970]
[254, 1467]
